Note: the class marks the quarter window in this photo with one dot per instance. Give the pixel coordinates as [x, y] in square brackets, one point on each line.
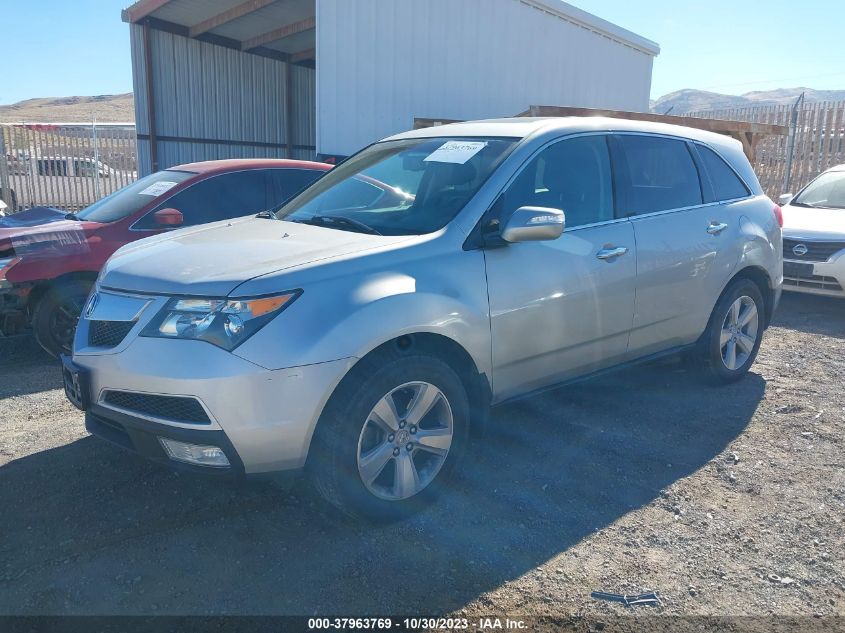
[572, 175]
[658, 174]
[724, 181]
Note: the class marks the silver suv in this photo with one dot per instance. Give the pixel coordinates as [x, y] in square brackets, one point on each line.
[361, 330]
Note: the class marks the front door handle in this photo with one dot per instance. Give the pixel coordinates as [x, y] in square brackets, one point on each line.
[611, 252]
[716, 227]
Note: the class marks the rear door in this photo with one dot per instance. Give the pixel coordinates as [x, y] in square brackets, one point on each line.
[686, 244]
[562, 308]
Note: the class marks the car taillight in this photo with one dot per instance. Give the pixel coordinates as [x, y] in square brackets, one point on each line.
[778, 215]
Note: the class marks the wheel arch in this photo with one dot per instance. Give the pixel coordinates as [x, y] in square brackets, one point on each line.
[761, 279]
[41, 288]
[439, 346]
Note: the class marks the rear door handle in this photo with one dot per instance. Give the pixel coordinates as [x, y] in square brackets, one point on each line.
[611, 252]
[716, 227]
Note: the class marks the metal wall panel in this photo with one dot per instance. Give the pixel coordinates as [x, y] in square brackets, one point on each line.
[205, 93]
[383, 63]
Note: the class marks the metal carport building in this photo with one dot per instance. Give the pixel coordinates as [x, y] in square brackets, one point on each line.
[294, 78]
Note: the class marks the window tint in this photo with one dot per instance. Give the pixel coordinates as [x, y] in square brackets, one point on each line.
[725, 183]
[572, 175]
[659, 173]
[217, 198]
[286, 183]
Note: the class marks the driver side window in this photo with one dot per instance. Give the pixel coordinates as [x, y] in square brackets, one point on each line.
[217, 198]
[572, 175]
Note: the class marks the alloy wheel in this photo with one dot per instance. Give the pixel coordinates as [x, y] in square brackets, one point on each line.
[405, 441]
[739, 333]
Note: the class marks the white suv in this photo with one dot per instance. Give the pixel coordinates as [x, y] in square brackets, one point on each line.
[361, 335]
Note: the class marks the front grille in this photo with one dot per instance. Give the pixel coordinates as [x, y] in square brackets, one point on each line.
[813, 281]
[108, 333]
[816, 251]
[174, 408]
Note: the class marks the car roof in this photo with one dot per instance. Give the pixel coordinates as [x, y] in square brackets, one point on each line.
[837, 168]
[238, 164]
[522, 127]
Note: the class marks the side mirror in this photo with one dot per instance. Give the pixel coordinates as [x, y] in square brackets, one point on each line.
[785, 198]
[168, 218]
[534, 224]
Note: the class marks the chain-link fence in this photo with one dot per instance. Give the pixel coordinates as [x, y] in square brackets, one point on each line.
[67, 166]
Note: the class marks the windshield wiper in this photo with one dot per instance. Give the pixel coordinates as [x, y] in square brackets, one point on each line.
[72, 216]
[270, 215]
[338, 221]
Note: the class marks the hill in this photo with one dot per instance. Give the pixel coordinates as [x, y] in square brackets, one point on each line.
[107, 109]
[690, 100]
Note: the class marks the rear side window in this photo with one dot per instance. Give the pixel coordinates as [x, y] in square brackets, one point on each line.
[724, 182]
[217, 198]
[286, 183]
[657, 174]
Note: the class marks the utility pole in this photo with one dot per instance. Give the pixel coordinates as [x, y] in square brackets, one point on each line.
[790, 143]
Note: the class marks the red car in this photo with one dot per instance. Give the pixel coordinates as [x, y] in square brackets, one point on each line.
[49, 259]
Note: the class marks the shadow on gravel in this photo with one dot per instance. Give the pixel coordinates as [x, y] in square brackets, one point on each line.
[811, 314]
[89, 529]
[26, 368]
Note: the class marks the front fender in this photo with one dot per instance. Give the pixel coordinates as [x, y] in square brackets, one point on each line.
[350, 313]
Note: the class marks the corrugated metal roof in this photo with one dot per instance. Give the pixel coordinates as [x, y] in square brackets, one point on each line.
[189, 13]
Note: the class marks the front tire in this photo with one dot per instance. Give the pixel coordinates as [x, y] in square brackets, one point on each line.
[391, 437]
[56, 315]
[728, 348]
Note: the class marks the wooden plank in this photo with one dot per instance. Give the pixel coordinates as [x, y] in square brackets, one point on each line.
[709, 124]
[224, 17]
[279, 33]
[142, 9]
[301, 56]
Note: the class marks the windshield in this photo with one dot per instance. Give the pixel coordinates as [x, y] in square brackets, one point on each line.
[132, 198]
[406, 187]
[827, 191]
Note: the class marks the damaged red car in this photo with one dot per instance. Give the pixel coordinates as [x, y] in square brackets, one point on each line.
[49, 259]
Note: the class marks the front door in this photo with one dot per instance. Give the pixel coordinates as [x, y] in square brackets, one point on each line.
[562, 308]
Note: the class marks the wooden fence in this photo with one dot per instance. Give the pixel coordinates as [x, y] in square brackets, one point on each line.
[816, 141]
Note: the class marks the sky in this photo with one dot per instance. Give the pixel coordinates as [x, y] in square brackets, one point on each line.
[56, 48]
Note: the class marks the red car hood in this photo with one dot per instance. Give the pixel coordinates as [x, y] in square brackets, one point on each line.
[44, 231]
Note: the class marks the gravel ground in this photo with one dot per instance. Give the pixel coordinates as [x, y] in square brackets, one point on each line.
[727, 501]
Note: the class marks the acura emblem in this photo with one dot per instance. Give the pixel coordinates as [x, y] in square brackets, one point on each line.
[92, 303]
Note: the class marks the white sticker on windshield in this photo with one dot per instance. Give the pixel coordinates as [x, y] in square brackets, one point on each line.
[455, 152]
[158, 188]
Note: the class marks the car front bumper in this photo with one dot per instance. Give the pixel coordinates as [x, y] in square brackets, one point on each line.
[262, 419]
[818, 278]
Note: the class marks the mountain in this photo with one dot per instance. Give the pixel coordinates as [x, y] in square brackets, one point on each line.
[107, 109]
[690, 100]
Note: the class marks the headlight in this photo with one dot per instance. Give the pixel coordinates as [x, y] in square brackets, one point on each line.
[224, 322]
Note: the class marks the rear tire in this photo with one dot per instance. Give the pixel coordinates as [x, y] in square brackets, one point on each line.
[407, 459]
[56, 315]
[728, 347]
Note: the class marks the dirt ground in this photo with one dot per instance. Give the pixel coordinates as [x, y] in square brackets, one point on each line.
[726, 501]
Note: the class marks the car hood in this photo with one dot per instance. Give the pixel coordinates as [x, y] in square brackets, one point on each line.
[44, 231]
[819, 224]
[214, 259]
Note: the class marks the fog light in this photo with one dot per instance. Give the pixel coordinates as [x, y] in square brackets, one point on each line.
[194, 453]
